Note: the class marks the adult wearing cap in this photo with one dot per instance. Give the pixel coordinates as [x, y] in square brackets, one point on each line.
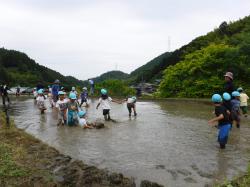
[229, 87]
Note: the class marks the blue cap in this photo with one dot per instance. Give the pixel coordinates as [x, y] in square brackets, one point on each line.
[72, 96]
[104, 91]
[216, 98]
[81, 113]
[226, 96]
[235, 94]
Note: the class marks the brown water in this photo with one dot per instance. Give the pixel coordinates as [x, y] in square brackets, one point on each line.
[169, 142]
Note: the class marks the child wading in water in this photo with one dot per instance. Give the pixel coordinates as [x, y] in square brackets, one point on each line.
[72, 110]
[222, 118]
[105, 101]
[84, 97]
[61, 105]
[243, 101]
[41, 101]
[235, 112]
[131, 104]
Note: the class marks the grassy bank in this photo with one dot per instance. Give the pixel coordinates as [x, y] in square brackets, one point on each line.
[242, 181]
[26, 161]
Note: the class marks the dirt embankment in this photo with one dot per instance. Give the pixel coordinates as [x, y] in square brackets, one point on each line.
[26, 161]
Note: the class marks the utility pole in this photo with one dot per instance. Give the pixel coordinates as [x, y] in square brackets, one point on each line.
[169, 43]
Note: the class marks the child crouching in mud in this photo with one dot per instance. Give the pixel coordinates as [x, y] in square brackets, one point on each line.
[72, 110]
[82, 120]
[131, 104]
[40, 99]
[61, 105]
[222, 117]
[105, 101]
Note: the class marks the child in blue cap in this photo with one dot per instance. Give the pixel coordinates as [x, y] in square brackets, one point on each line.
[222, 118]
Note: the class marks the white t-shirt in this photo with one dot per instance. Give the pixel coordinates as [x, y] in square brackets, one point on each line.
[40, 98]
[243, 99]
[62, 104]
[130, 100]
[105, 103]
[82, 122]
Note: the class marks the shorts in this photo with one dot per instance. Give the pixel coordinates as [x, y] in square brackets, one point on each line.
[106, 112]
[224, 133]
[130, 106]
[235, 116]
[244, 109]
[55, 98]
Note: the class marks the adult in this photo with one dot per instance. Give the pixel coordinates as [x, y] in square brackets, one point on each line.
[55, 90]
[39, 86]
[18, 91]
[229, 87]
[92, 86]
[4, 93]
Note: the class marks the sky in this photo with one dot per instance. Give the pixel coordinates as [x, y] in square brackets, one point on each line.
[86, 38]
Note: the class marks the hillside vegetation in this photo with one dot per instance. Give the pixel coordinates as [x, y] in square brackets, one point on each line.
[17, 68]
[200, 65]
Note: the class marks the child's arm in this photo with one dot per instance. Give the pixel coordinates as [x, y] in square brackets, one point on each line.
[220, 117]
[98, 106]
[116, 101]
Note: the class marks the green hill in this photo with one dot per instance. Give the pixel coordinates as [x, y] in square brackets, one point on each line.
[111, 75]
[197, 68]
[152, 70]
[17, 68]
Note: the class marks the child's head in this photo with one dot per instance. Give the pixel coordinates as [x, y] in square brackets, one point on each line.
[73, 88]
[61, 95]
[104, 93]
[226, 96]
[40, 92]
[81, 114]
[216, 99]
[236, 95]
[240, 90]
[84, 89]
[72, 97]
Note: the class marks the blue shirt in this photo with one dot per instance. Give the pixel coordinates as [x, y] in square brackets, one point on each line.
[55, 89]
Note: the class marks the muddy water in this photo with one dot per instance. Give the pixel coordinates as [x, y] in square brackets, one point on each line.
[169, 142]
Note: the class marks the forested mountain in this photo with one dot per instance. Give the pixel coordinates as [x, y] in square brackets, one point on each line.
[151, 70]
[114, 75]
[197, 68]
[17, 68]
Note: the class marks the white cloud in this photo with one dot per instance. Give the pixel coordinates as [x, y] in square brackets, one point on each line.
[87, 39]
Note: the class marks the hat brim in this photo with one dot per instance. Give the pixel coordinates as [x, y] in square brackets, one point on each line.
[228, 76]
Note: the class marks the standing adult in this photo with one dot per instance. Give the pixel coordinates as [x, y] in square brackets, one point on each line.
[4, 93]
[55, 90]
[18, 91]
[229, 87]
[92, 86]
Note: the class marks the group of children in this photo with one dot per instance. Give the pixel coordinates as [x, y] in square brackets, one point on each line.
[227, 111]
[70, 110]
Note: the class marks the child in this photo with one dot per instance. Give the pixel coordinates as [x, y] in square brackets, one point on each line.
[222, 118]
[50, 96]
[41, 101]
[227, 104]
[82, 120]
[104, 101]
[84, 97]
[72, 110]
[235, 112]
[243, 101]
[61, 105]
[73, 90]
[131, 104]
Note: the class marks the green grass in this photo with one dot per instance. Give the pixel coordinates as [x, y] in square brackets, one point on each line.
[8, 167]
